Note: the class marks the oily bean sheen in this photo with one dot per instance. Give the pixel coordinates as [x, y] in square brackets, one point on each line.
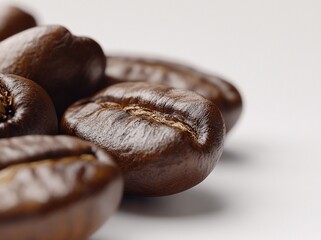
[214, 88]
[55, 188]
[14, 20]
[67, 67]
[165, 140]
[25, 108]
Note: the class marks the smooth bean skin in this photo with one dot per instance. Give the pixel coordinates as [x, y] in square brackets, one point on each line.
[165, 140]
[14, 20]
[25, 108]
[219, 91]
[55, 188]
[66, 66]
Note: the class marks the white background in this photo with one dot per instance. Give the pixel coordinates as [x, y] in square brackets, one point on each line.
[268, 182]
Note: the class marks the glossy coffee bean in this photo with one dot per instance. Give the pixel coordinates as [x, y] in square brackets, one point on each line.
[214, 88]
[165, 140]
[25, 108]
[14, 20]
[55, 188]
[67, 67]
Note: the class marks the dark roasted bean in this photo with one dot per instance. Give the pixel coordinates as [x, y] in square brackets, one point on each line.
[67, 67]
[14, 20]
[55, 188]
[214, 88]
[25, 108]
[165, 140]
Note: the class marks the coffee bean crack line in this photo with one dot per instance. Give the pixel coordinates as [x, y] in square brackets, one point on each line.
[7, 173]
[157, 116]
[6, 103]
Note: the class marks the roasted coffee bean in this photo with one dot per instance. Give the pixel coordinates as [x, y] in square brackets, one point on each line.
[25, 108]
[14, 20]
[67, 67]
[214, 88]
[55, 188]
[165, 140]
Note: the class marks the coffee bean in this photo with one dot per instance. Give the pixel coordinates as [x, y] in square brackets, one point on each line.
[14, 20]
[55, 188]
[67, 67]
[165, 140]
[214, 88]
[25, 108]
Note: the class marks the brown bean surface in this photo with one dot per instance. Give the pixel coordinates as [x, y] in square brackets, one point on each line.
[66, 66]
[216, 89]
[25, 108]
[55, 188]
[14, 20]
[165, 140]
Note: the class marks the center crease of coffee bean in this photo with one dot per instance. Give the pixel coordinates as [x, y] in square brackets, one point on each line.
[8, 173]
[157, 116]
[6, 103]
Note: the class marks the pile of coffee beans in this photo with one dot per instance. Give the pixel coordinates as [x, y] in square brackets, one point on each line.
[137, 125]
